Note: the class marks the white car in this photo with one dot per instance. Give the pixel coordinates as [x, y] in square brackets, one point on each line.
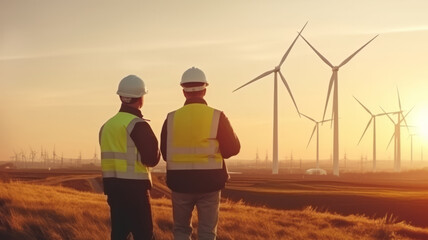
[316, 171]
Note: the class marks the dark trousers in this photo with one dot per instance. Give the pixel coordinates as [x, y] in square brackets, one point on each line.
[131, 213]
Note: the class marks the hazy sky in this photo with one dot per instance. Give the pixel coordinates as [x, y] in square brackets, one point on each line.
[61, 62]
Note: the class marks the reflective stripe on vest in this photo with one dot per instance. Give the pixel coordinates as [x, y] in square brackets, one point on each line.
[119, 155]
[191, 138]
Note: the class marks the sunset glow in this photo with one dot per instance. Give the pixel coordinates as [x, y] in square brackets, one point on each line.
[422, 124]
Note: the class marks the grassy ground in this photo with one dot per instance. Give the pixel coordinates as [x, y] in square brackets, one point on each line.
[30, 211]
[404, 195]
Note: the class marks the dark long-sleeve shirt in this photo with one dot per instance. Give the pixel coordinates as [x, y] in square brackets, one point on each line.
[144, 138]
[200, 181]
[147, 145]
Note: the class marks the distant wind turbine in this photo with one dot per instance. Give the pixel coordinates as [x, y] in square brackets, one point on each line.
[316, 127]
[334, 81]
[276, 70]
[373, 118]
[411, 147]
[397, 133]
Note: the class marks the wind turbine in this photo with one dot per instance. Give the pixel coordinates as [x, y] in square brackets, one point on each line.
[411, 147]
[32, 156]
[397, 133]
[316, 127]
[276, 70]
[16, 157]
[373, 118]
[335, 113]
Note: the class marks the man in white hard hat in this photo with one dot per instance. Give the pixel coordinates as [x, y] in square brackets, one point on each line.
[128, 149]
[195, 140]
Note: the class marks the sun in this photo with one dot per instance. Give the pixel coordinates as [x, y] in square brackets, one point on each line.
[422, 123]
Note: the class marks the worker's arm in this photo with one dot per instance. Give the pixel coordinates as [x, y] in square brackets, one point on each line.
[163, 140]
[146, 143]
[228, 141]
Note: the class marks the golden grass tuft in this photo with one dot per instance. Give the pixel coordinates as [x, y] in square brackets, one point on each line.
[50, 212]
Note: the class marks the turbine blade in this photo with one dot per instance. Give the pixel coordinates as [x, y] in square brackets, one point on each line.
[328, 93]
[308, 118]
[355, 53]
[319, 54]
[404, 118]
[291, 46]
[313, 131]
[363, 106]
[390, 140]
[255, 79]
[368, 124]
[328, 120]
[289, 91]
[399, 100]
[383, 114]
[388, 115]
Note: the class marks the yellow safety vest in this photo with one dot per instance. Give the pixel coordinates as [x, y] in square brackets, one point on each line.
[191, 138]
[119, 155]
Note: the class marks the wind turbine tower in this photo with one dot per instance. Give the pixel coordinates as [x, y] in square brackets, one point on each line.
[411, 148]
[397, 133]
[54, 156]
[257, 157]
[16, 157]
[316, 127]
[373, 118]
[276, 70]
[334, 81]
[32, 156]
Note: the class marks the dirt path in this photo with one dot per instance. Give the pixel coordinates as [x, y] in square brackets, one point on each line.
[84, 182]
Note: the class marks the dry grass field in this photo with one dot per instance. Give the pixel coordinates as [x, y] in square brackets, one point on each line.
[401, 195]
[40, 206]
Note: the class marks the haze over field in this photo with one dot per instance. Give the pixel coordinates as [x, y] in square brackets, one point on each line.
[61, 62]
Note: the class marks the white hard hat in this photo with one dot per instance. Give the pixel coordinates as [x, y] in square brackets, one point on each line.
[194, 75]
[131, 86]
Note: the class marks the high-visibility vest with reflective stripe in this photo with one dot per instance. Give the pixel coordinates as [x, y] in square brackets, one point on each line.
[119, 155]
[191, 138]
